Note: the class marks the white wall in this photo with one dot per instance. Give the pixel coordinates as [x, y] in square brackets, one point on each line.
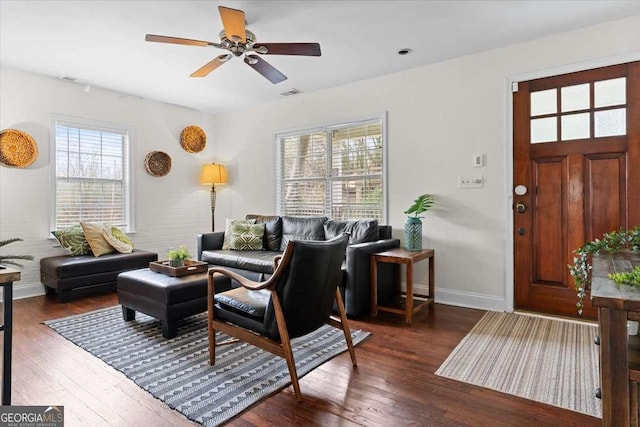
[169, 210]
[438, 117]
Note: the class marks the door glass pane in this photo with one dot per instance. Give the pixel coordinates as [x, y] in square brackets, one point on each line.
[610, 92]
[610, 122]
[575, 126]
[574, 98]
[544, 130]
[543, 102]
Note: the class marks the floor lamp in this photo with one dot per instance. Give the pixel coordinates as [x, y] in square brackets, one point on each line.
[212, 174]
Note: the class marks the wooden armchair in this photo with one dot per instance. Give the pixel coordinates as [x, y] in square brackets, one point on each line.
[296, 300]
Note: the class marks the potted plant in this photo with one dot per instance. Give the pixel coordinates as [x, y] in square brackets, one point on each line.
[413, 224]
[177, 256]
[8, 259]
[611, 242]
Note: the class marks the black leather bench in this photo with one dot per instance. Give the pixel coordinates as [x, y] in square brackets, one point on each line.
[74, 276]
[165, 297]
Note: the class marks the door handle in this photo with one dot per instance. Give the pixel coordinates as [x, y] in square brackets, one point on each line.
[521, 207]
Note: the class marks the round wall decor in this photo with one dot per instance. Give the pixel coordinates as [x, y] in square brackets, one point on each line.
[17, 148]
[193, 139]
[157, 163]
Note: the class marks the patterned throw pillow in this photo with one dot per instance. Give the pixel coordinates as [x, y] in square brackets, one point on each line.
[226, 245]
[117, 239]
[246, 237]
[72, 240]
[93, 233]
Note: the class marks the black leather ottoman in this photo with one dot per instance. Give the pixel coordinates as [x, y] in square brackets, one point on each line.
[164, 297]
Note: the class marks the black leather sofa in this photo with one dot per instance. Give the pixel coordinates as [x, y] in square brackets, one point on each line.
[366, 237]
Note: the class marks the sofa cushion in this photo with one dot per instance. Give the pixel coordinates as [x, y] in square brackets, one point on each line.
[93, 233]
[302, 228]
[272, 230]
[246, 237]
[260, 261]
[361, 231]
[72, 240]
[226, 244]
[117, 239]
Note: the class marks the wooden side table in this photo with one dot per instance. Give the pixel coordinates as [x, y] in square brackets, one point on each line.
[408, 258]
[618, 350]
[7, 277]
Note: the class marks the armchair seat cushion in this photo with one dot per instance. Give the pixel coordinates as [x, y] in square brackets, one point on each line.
[252, 303]
[260, 261]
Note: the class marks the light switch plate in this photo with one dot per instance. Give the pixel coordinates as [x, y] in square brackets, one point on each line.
[476, 181]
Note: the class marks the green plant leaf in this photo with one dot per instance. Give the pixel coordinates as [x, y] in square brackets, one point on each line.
[420, 205]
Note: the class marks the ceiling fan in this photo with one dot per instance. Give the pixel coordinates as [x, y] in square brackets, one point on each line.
[239, 41]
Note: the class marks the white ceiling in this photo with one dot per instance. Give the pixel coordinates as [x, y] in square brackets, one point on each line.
[102, 42]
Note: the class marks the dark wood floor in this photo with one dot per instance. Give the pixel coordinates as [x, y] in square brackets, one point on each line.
[393, 385]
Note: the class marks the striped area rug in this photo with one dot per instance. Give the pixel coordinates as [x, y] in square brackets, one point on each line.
[177, 371]
[547, 360]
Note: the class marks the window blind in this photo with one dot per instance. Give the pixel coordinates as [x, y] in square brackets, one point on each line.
[91, 175]
[335, 171]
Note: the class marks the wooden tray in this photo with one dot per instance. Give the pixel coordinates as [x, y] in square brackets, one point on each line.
[190, 267]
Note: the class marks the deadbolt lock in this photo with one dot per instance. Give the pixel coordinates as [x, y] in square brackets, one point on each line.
[521, 207]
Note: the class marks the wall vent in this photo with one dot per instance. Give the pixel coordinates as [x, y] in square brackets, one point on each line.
[290, 92]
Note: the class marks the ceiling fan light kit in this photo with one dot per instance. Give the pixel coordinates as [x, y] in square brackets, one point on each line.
[239, 41]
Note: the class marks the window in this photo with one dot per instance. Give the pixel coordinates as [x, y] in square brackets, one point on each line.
[589, 110]
[91, 174]
[337, 171]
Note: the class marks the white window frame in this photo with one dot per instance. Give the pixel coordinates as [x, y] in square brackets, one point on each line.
[57, 119]
[382, 117]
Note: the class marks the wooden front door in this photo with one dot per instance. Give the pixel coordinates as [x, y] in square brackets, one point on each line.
[576, 158]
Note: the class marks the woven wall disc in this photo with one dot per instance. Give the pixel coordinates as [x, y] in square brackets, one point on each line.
[193, 139]
[157, 163]
[17, 148]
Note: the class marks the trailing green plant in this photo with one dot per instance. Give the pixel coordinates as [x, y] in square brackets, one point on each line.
[179, 254]
[611, 242]
[420, 205]
[631, 278]
[8, 259]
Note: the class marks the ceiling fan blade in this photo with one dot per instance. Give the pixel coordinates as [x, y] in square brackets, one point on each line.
[264, 68]
[307, 49]
[234, 23]
[210, 66]
[178, 40]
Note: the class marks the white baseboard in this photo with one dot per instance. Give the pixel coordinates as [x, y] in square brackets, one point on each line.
[470, 300]
[461, 299]
[26, 291]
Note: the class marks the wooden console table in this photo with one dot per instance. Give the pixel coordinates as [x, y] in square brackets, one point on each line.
[408, 258]
[7, 277]
[615, 305]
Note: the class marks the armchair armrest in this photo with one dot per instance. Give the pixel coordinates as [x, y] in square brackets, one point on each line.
[358, 278]
[209, 242]
[243, 281]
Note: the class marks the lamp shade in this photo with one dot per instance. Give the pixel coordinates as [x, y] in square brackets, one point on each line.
[213, 173]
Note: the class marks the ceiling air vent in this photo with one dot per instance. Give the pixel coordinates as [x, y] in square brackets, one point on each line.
[68, 79]
[290, 92]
